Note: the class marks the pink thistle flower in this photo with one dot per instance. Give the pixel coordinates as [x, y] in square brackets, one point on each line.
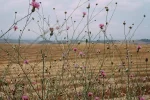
[81, 53]
[57, 27]
[139, 47]
[35, 4]
[101, 26]
[74, 49]
[141, 98]
[131, 76]
[15, 28]
[90, 94]
[25, 97]
[67, 27]
[34, 83]
[84, 13]
[103, 74]
[76, 65]
[79, 94]
[51, 29]
[26, 62]
[83, 66]
[97, 98]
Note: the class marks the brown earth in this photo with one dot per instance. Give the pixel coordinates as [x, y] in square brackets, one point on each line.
[61, 62]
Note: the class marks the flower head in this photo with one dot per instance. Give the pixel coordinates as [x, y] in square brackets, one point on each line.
[146, 59]
[57, 27]
[107, 9]
[103, 74]
[26, 62]
[15, 28]
[81, 53]
[25, 97]
[139, 47]
[76, 65]
[84, 13]
[90, 94]
[79, 94]
[74, 49]
[51, 29]
[35, 4]
[88, 6]
[97, 98]
[34, 83]
[131, 75]
[67, 27]
[141, 98]
[101, 26]
[83, 66]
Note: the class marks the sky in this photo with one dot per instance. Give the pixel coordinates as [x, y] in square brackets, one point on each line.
[131, 11]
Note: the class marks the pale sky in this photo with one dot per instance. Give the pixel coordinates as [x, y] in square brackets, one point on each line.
[131, 11]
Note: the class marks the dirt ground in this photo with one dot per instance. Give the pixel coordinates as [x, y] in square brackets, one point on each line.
[114, 59]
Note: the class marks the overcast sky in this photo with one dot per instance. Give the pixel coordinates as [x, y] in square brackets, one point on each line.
[131, 11]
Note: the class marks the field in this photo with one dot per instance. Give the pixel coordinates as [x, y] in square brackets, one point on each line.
[75, 71]
[74, 50]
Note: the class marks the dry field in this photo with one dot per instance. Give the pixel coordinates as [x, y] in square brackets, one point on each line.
[57, 72]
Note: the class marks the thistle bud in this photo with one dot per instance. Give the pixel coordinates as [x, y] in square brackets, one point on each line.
[124, 23]
[146, 59]
[130, 27]
[65, 12]
[106, 8]
[33, 9]
[51, 29]
[86, 40]
[88, 6]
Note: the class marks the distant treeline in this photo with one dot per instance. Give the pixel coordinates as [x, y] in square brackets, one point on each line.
[145, 40]
[70, 41]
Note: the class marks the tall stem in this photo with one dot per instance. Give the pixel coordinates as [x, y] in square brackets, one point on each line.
[43, 58]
